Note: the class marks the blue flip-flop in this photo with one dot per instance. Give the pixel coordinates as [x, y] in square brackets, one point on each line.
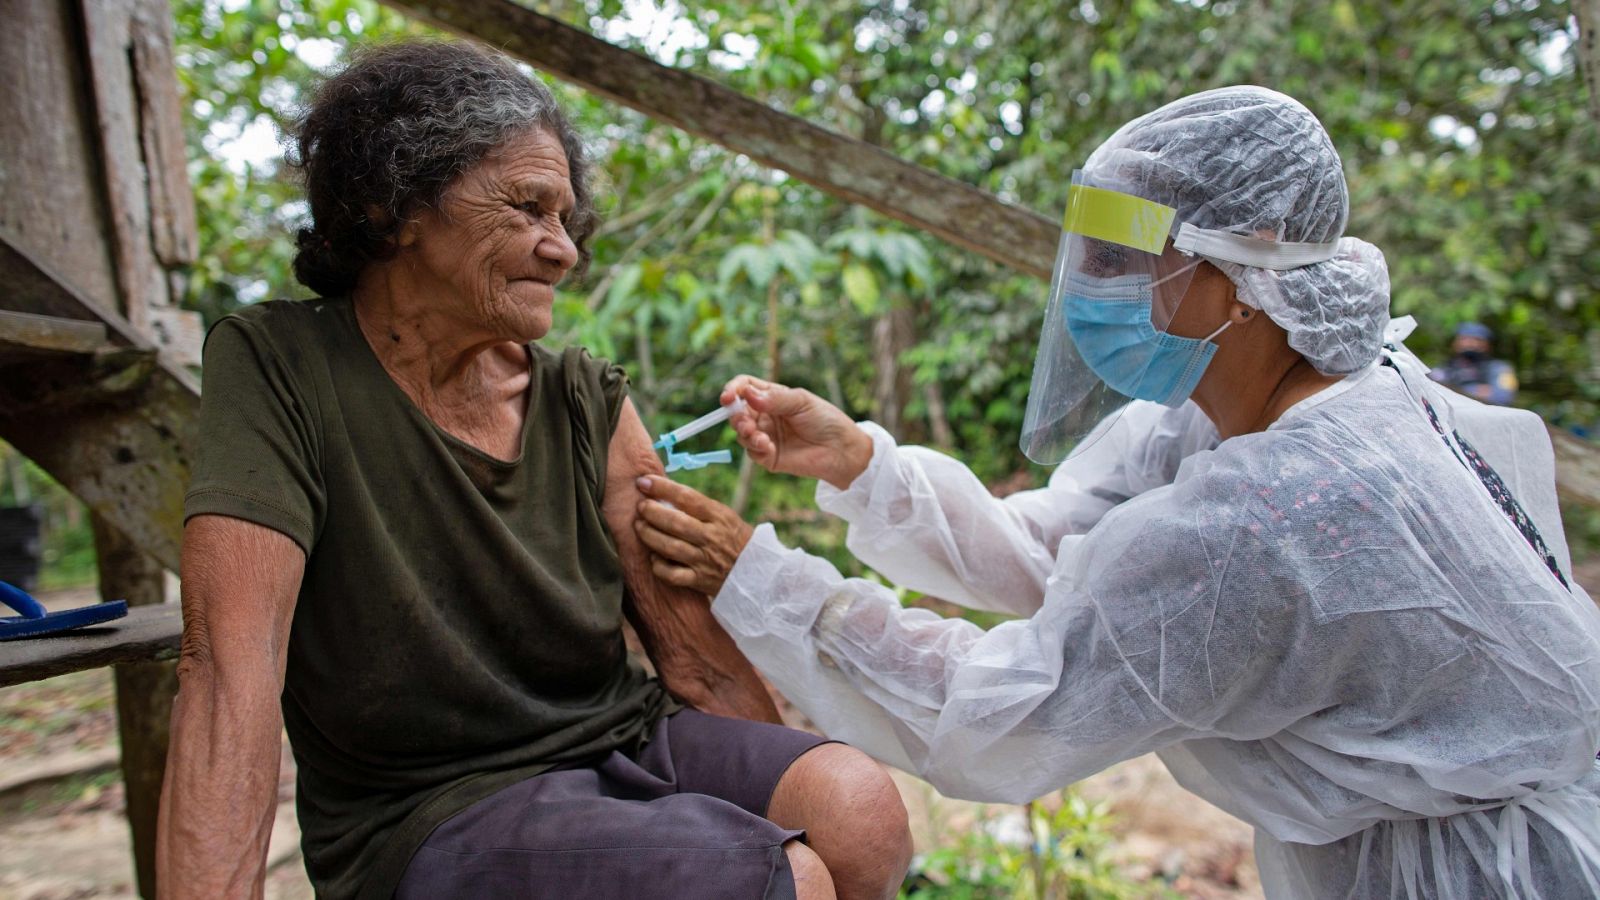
[35, 620]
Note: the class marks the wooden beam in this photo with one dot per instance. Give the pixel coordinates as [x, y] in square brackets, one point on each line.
[147, 633]
[124, 453]
[33, 383]
[844, 167]
[173, 228]
[50, 333]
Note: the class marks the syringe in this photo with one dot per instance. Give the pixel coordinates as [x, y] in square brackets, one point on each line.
[709, 420]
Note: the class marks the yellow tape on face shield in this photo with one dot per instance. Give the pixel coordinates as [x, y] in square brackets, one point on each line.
[1120, 218]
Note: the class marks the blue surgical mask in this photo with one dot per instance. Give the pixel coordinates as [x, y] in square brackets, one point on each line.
[1109, 320]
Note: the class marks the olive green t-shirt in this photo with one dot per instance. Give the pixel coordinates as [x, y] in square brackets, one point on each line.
[459, 624]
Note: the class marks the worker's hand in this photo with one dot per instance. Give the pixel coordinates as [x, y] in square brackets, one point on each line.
[694, 545]
[794, 431]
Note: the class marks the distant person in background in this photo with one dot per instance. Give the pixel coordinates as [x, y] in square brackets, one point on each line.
[1472, 371]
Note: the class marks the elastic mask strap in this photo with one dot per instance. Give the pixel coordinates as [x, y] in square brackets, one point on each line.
[1187, 267]
[1249, 251]
[1213, 334]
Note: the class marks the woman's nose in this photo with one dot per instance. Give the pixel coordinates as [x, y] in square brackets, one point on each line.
[558, 248]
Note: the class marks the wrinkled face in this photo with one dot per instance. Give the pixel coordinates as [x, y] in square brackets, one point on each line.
[497, 244]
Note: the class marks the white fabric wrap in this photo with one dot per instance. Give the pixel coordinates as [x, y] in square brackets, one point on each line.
[1328, 629]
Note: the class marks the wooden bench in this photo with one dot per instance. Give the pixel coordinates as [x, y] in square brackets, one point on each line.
[146, 634]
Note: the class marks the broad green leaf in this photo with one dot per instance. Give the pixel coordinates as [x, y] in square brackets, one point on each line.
[861, 286]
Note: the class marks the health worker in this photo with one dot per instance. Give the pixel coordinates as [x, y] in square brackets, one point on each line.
[1334, 598]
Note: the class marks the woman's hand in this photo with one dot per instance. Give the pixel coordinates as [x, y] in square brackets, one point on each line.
[696, 544]
[794, 431]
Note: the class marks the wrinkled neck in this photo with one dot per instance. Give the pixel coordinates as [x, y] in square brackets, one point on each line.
[414, 329]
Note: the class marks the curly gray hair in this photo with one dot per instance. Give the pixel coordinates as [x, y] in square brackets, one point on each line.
[385, 137]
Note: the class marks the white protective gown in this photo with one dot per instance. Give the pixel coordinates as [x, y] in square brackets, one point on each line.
[1329, 629]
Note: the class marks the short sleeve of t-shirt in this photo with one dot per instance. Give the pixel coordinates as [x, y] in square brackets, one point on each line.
[612, 383]
[596, 389]
[257, 454]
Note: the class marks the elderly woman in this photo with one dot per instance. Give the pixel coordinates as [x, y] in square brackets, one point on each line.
[1333, 598]
[413, 525]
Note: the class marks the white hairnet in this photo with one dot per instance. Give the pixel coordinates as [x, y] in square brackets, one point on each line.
[1251, 161]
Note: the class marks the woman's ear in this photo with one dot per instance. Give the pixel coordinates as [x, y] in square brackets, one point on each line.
[404, 236]
[1239, 313]
[407, 234]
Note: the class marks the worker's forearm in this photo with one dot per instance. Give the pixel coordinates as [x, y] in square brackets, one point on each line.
[219, 798]
[698, 662]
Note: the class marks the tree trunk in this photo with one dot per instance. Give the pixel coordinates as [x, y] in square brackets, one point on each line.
[892, 335]
[938, 422]
[1587, 50]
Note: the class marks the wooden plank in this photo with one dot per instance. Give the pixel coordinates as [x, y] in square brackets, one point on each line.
[126, 456]
[144, 695]
[147, 633]
[28, 284]
[52, 385]
[51, 333]
[51, 189]
[180, 333]
[141, 283]
[844, 167]
[173, 230]
[141, 155]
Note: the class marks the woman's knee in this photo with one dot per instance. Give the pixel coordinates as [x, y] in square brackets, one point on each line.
[811, 878]
[853, 816]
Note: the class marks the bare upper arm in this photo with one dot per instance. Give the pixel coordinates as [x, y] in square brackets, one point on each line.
[240, 583]
[696, 659]
[630, 457]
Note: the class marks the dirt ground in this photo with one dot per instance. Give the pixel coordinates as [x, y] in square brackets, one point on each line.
[64, 838]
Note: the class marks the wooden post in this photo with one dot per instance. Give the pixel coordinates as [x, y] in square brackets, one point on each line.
[144, 695]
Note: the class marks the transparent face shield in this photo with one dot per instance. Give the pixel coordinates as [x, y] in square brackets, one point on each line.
[1116, 284]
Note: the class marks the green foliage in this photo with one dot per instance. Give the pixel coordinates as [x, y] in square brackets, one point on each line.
[243, 69]
[1059, 853]
[66, 552]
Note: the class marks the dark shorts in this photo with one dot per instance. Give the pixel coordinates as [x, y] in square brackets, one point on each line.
[686, 818]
